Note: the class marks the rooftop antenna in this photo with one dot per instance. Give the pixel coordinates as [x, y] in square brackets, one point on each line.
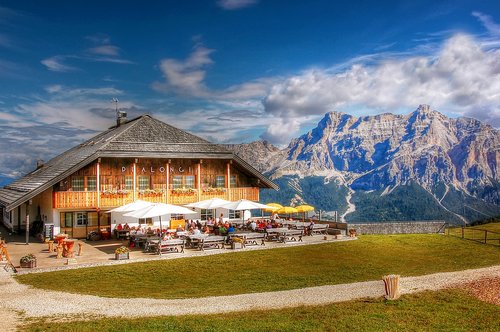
[115, 100]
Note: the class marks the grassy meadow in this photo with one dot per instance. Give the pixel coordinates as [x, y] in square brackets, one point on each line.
[368, 258]
[446, 310]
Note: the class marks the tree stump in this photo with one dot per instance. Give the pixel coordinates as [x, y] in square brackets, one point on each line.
[391, 286]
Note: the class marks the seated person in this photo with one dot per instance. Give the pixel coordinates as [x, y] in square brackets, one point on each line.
[196, 231]
[231, 229]
[180, 229]
[126, 227]
[253, 225]
[166, 237]
[119, 227]
[206, 230]
[222, 230]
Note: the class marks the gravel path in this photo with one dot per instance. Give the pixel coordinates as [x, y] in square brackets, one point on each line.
[34, 302]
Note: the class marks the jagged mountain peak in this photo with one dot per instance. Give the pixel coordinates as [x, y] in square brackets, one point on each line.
[377, 151]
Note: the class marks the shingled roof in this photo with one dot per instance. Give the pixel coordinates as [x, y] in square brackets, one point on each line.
[142, 137]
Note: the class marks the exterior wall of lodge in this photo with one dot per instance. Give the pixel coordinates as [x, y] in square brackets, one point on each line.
[76, 204]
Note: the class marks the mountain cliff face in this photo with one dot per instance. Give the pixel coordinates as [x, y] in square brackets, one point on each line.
[374, 156]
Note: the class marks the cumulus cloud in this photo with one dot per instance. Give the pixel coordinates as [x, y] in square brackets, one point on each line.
[460, 79]
[235, 4]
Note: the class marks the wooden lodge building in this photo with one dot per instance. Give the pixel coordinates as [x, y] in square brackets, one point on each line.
[142, 158]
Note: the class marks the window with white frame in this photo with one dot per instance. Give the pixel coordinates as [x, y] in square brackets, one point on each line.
[81, 218]
[77, 183]
[234, 214]
[143, 182]
[189, 181]
[177, 181]
[232, 181]
[129, 182]
[205, 214]
[220, 181]
[91, 183]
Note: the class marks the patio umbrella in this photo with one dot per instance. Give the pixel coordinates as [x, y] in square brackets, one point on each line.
[273, 207]
[209, 204]
[134, 206]
[286, 210]
[304, 208]
[158, 210]
[244, 204]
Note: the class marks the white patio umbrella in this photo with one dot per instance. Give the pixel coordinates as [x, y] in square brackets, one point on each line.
[134, 206]
[158, 210]
[209, 204]
[244, 204]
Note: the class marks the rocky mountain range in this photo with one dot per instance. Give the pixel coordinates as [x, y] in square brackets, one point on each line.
[418, 166]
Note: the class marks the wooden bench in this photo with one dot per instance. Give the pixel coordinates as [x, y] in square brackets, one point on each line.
[251, 239]
[319, 229]
[212, 242]
[168, 246]
[275, 233]
[291, 235]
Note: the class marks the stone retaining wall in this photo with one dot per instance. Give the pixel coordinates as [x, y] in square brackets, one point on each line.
[404, 227]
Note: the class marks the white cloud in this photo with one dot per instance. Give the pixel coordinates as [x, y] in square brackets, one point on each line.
[55, 63]
[235, 4]
[461, 79]
[488, 23]
[187, 77]
[110, 50]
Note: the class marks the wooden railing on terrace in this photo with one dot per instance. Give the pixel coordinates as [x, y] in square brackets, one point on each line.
[475, 234]
[88, 199]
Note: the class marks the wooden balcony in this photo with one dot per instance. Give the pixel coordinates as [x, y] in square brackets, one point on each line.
[88, 199]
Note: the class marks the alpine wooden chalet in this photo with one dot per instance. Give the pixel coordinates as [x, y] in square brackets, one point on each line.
[142, 158]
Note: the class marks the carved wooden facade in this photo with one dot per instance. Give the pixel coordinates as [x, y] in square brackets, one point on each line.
[111, 182]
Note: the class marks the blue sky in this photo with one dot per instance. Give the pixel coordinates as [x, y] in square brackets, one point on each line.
[235, 70]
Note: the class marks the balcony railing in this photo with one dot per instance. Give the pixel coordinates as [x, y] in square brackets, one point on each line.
[88, 199]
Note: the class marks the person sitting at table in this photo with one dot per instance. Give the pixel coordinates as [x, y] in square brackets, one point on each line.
[196, 231]
[253, 225]
[166, 237]
[210, 221]
[180, 229]
[216, 229]
[222, 230]
[119, 227]
[231, 229]
[126, 227]
[206, 230]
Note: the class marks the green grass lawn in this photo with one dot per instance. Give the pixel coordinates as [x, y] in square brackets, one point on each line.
[447, 310]
[368, 258]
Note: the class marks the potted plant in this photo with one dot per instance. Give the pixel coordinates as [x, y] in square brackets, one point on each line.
[28, 261]
[122, 253]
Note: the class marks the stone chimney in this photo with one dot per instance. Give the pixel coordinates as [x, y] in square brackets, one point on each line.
[121, 118]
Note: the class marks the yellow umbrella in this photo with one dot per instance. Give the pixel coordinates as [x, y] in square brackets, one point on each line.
[273, 206]
[304, 208]
[286, 210]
